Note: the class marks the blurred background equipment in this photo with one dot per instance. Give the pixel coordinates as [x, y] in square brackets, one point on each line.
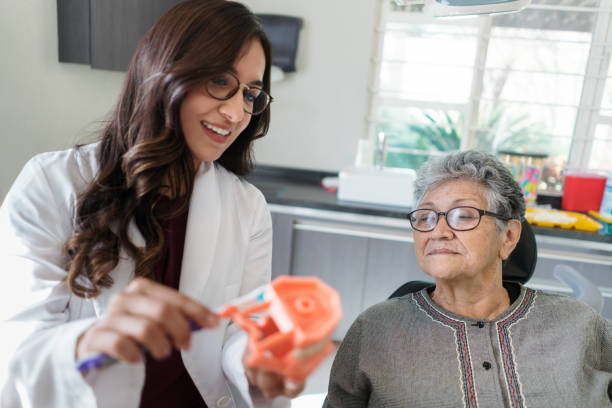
[582, 191]
[527, 171]
[584, 290]
[450, 8]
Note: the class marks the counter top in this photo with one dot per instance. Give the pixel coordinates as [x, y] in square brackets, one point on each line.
[301, 188]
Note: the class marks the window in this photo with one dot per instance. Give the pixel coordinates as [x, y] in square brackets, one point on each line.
[528, 82]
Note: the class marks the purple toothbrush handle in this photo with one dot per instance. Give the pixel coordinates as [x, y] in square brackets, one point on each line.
[101, 360]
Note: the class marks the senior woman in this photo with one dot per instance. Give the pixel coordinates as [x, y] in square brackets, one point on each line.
[472, 340]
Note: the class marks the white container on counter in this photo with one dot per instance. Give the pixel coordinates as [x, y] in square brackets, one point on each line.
[389, 187]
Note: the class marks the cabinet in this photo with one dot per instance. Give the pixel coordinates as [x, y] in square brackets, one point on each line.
[390, 264]
[73, 31]
[337, 260]
[105, 33]
[364, 263]
[117, 26]
[365, 258]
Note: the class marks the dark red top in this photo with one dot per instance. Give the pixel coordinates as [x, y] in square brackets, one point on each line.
[167, 382]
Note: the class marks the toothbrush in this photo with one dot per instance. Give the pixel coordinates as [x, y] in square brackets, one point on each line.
[101, 360]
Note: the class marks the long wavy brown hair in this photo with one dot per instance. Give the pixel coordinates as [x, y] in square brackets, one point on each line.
[142, 150]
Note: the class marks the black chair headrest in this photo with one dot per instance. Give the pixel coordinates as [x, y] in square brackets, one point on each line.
[521, 263]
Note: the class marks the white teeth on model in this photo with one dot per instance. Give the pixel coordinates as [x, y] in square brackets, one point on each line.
[222, 132]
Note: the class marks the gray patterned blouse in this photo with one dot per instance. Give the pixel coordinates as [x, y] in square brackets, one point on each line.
[546, 350]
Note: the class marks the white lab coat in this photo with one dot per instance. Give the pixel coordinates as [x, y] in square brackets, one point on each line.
[227, 253]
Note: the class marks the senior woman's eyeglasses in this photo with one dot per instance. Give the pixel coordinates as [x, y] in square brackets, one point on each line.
[225, 85]
[459, 218]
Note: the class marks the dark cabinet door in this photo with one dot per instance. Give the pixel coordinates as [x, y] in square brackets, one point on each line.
[390, 264]
[117, 26]
[338, 260]
[73, 31]
[282, 244]
[105, 33]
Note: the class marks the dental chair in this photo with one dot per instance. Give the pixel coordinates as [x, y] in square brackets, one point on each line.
[518, 267]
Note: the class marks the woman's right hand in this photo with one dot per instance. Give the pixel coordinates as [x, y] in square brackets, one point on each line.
[145, 313]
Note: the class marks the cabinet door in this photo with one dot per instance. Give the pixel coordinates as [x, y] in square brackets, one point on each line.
[117, 27]
[391, 263]
[282, 238]
[339, 260]
[73, 31]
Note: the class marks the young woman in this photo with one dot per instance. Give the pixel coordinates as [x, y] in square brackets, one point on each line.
[116, 245]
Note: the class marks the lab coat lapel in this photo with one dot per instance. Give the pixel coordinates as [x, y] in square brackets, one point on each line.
[202, 230]
[203, 223]
[123, 273]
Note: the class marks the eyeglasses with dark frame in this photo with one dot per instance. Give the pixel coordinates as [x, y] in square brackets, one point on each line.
[225, 85]
[464, 218]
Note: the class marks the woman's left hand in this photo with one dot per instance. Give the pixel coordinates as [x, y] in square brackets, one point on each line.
[272, 384]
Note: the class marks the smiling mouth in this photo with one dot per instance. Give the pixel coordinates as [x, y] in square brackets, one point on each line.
[217, 130]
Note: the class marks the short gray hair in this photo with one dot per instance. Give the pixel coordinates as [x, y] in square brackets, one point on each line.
[503, 194]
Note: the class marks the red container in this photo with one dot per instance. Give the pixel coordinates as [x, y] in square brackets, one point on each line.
[582, 192]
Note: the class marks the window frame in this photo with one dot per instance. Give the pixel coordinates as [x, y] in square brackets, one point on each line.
[588, 110]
